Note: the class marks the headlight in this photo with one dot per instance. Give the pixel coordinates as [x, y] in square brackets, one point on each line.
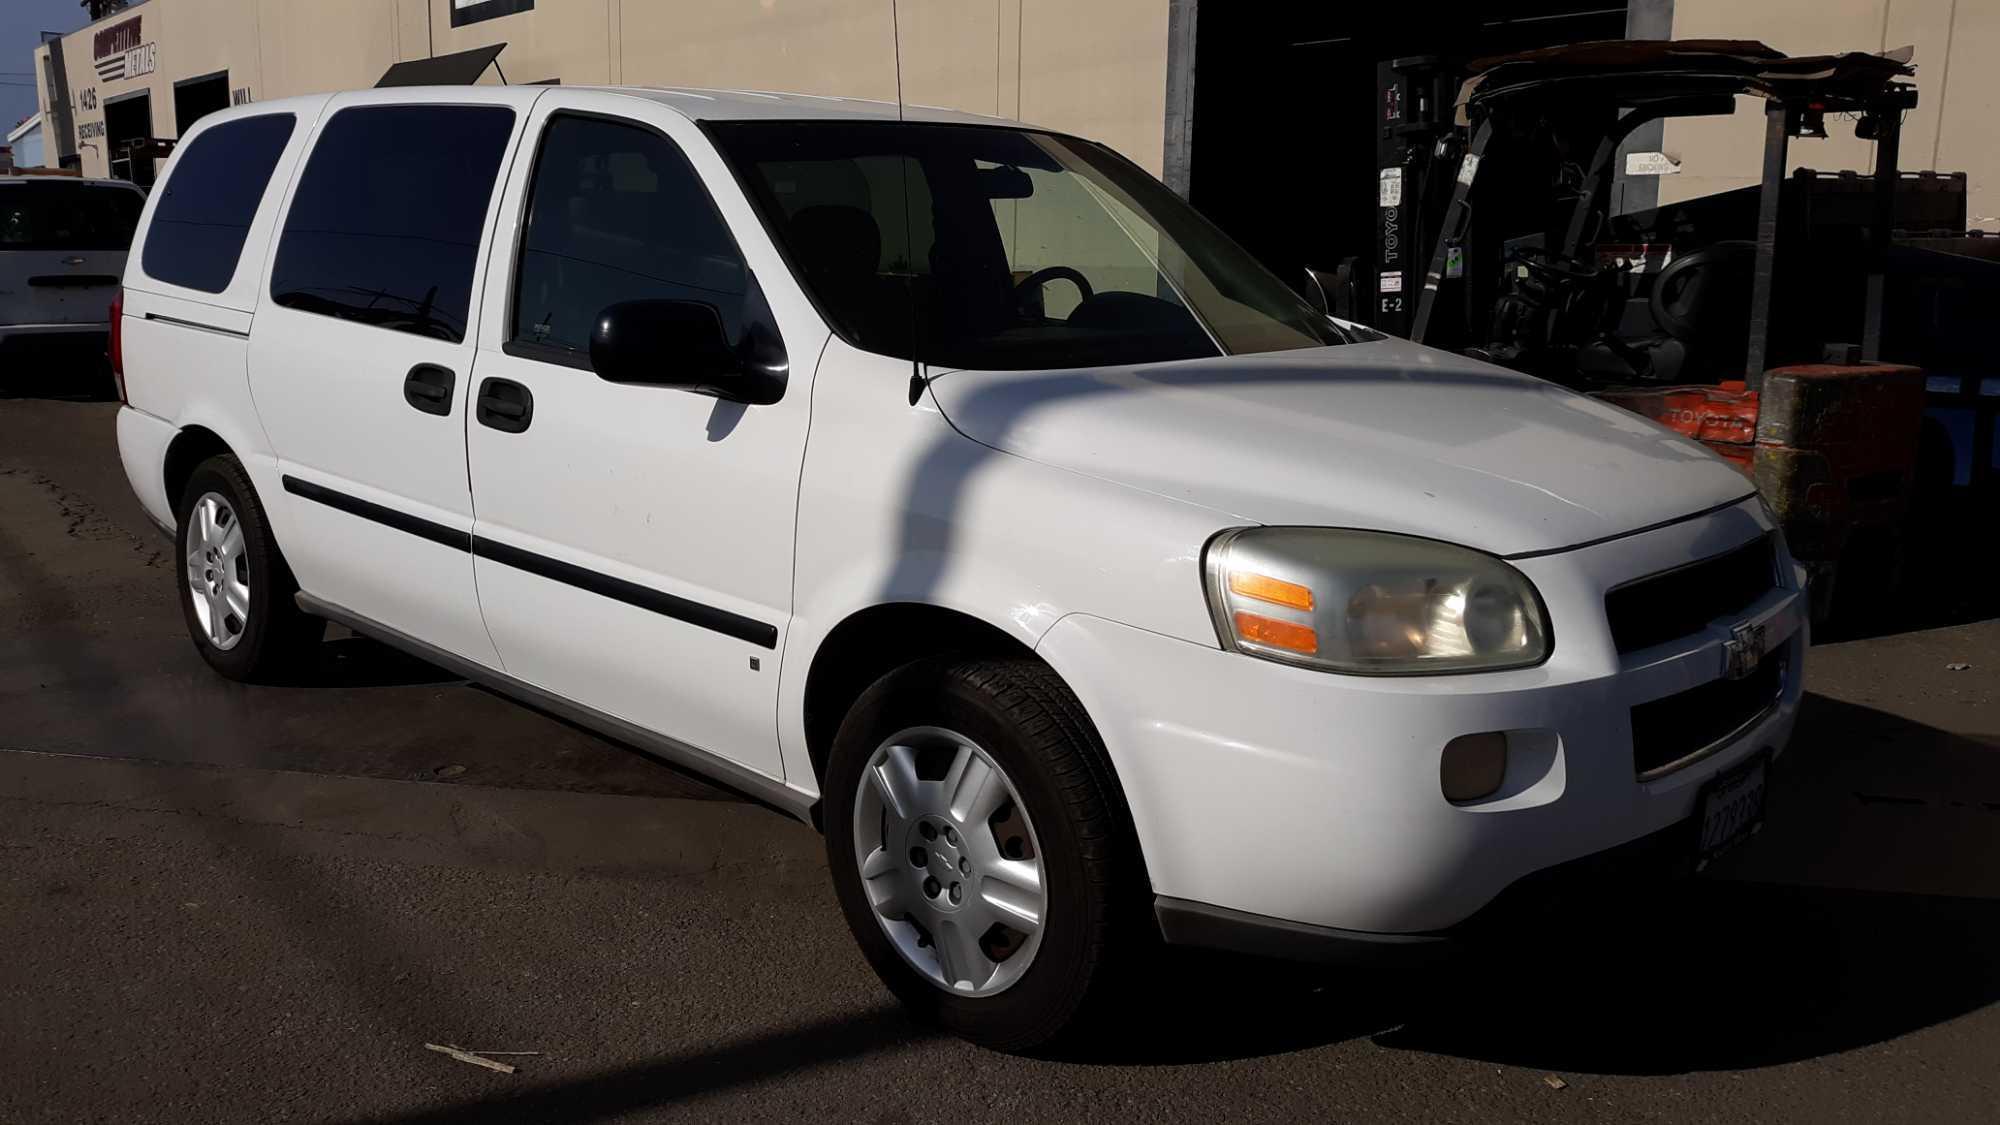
[1371, 603]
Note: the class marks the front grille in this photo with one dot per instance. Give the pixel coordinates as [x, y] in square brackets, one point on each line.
[1682, 726]
[1675, 603]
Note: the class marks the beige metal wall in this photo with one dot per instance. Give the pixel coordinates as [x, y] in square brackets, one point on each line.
[1958, 83]
[1097, 69]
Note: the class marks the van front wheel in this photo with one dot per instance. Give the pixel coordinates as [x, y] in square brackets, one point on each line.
[980, 849]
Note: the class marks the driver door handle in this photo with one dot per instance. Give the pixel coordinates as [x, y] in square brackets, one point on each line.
[428, 388]
[504, 405]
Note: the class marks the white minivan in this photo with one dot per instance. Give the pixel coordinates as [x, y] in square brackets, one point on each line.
[950, 484]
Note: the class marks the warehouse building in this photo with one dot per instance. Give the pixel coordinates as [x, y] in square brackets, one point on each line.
[1264, 115]
[149, 71]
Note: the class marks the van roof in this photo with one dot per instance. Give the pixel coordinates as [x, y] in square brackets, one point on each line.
[750, 105]
[694, 104]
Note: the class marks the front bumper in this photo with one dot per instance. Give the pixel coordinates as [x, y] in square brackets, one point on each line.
[1535, 900]
[1312, 800]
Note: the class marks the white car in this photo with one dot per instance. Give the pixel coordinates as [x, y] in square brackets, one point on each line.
[62, 253]
[950, 484]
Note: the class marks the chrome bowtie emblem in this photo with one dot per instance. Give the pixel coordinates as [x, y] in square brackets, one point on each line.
[1744, 651]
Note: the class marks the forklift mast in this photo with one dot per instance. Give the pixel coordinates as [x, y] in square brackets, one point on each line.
[1416, 151]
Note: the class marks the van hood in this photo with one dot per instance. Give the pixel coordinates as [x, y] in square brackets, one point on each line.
[1385, 435]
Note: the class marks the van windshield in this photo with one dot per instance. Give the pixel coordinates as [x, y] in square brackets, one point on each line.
[970, 246]
[67, 216]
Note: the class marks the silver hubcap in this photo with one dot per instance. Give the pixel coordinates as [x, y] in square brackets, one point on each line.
[949, 861]
[218, 571]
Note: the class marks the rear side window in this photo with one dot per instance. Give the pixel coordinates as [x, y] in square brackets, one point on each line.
[618, 214]
[385, 226]
[204, 212]
[60, 216]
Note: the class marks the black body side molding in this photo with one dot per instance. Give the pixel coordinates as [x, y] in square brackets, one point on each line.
[631, 593]
[759, 633]
[387, 517]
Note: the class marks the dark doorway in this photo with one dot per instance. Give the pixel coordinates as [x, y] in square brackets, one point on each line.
[196, 98]
[128, 121]
[1284, 145]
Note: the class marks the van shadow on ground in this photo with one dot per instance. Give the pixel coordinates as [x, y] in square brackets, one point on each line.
[1707, 976]
[70, 371]
[1824, 935]
[346, 660]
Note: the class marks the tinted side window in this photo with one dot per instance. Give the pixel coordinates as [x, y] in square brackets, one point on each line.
[617, 214]
[385, 226]
[205, 210]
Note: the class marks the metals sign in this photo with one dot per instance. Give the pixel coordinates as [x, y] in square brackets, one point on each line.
[472, 11]
[118, 53]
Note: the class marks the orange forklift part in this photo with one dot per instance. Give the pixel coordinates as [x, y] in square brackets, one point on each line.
[1724, 417]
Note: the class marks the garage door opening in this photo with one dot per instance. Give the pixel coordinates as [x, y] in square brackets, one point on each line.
[196, 98]
[128, 124]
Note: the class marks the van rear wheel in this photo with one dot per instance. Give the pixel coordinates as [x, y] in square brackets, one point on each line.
[981, 851]
[236, 591]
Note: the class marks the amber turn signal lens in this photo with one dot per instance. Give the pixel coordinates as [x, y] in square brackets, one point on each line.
[1270, 631]
[1273, 590]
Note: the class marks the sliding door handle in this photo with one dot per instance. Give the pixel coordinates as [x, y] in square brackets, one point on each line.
[428, 388]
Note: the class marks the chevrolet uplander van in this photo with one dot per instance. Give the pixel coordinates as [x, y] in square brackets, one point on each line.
[949, 484]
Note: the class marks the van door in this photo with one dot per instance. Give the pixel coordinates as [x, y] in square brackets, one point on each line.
[633, 542]
[361, 355]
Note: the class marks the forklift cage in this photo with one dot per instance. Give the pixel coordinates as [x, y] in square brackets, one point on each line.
[1656, 79]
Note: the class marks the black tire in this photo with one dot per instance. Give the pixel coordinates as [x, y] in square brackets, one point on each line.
[278, 639]
[1096, 915]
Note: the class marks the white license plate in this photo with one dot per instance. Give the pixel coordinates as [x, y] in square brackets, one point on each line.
[1731, 807]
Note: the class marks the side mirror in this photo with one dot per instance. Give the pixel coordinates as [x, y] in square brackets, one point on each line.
[1333, 291]
[1317, 283]
[682, 344]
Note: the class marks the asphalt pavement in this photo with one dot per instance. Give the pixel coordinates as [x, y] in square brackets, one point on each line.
[225, 903]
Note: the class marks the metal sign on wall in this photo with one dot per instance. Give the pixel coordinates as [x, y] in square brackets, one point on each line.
[120, 52]
[472, 11]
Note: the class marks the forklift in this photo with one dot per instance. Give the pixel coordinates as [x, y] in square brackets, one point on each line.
[1757, 321]
[137, 161]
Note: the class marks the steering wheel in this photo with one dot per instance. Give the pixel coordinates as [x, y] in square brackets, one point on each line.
[1552, 266]
[1707, 288]
[1046, 274]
